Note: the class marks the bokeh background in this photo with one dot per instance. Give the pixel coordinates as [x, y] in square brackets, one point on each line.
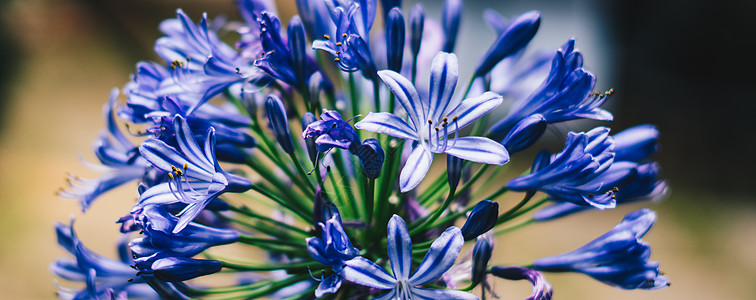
[685, 66]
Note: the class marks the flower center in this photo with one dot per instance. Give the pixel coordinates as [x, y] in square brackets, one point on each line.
[438, 135]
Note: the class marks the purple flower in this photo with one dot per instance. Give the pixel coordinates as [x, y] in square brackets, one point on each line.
[101, 274]
[431, 123]
[402, 284]
[333, 249]
[566, 94]
[196, 177]
[569, 175]
[332, 131]
[618, 258]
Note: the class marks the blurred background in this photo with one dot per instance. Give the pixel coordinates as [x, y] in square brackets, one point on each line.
[682, 65]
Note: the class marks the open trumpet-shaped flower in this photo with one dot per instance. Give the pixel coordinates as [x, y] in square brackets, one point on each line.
[442, 254]
[618, 258]
[431, 123]
[196, 177]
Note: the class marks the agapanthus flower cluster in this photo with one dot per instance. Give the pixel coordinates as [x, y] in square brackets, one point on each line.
[333, 190]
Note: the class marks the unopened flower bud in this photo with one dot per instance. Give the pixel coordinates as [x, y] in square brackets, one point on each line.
[450, 15]
[371, 158]
[395, 39]
[481, 255]
[525, 133]
[482, 218]
[417, 24]
[513, 39]
[279, 123]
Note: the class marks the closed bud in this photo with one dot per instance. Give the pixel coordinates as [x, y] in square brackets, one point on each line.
[395, 39]
[371, 158]
[417, 24]
[636, 143]
[524, 134]
[308, 119]
[453, 170]
[482, 218]
[513, 39]
[279, 123]
[450, 16]
[481, 255]
[298, 48]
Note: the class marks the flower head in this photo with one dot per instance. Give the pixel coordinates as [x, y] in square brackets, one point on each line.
[332, 131]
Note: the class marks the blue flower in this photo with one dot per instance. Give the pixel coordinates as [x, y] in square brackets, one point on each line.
[284, 60]
[403, 285]
[333, 249]
[349, 42]
[101, 274]
[196, 176]
[431, 123]
[541, 288]
[121, 162]
[332, 131]
[511, 40]
[564, 95]
[157, 225]
[569, 175]
[636, 143]
[451, 13]
[618, 258]
[202, 65]
[639, 182]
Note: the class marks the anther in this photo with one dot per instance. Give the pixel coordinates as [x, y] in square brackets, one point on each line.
[327, 37]
[338, 52]
[437, 129]
[170, 175]
[445, 119]
[339, 44]
[186, 166]
[344, 35]
[590, 195]
[430, 122]
[454, 119]
[337, 59]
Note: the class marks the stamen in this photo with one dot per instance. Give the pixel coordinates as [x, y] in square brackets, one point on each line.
[339, 44]
[344, 35]
[327, 37]
[337, 59]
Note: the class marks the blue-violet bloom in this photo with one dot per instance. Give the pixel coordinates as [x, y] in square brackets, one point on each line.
[403, 285]
[541, 288]
[332, 131]
[196, 177]
[431, 123]
[618, 258]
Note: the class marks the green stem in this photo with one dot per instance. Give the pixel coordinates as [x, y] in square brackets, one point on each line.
[369, 200]
[437, 213]
[302, 172]
[513, 228]
[377, 95]
[250, 213]
[507, 214]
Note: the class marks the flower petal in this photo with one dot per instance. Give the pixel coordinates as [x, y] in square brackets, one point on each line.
[399, 248]
[435, 294]
[387, 296]
[188, 145]
[388, 124]
[440, 257]
[471, 109]
[479, 149]
[407, 95]
[443, 81]
[361, 271]
[415, 168]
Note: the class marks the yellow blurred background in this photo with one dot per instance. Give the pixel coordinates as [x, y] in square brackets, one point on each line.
[69, 54]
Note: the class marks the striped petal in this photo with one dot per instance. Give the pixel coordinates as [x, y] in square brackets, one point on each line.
[415, 168]
[479, 149]
[164, 157]
[471, 109]
[440, 257]
[443, 81]
[399, 248]
[188, 145]
[407, 95]
[361, 271]
[387, 124]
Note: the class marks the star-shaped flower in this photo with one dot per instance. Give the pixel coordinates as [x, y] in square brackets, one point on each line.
[403, 285]
[432, 122]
